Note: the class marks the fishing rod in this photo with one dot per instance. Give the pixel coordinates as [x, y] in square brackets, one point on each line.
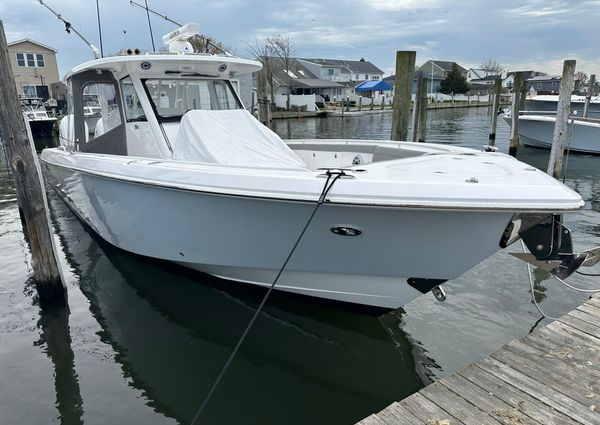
[69, 28]
[166, 18]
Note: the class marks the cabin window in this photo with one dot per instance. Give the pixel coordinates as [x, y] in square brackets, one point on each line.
[131, 102]
[101, 109]
[173, 98]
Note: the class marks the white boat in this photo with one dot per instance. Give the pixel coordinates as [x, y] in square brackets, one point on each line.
[538, 131]
[40, 123]
[549, 103]
[177, 169]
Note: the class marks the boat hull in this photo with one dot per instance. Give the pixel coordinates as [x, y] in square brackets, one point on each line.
[248, 239]
[538, 131]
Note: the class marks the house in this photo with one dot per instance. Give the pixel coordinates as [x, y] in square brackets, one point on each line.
[329, 78]
[508, 78]
[478, 74]
[480, 86]
[544, 84]
[435, 71]
[34, 67]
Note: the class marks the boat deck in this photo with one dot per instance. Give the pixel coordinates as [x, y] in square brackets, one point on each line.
[550, 377]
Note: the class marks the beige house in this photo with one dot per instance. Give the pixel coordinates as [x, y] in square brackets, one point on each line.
[34, 67]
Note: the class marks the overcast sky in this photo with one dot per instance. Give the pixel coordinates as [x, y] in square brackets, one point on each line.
[521, 35]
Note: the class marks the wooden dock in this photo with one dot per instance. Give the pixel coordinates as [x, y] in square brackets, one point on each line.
[550, 377]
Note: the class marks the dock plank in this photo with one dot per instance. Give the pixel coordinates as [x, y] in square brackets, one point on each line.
[517, 399]
[537, 390]
[458, 407]
[372, 420]
[590, 309]
[428, 412]
[560, 377]
[581, 325]
[396, 413]
[582, 315]
[486, 401]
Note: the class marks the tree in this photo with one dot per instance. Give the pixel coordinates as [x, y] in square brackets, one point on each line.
[581, 76]
[264, 52]
[491, 65]
[283, 51]
[202, 44]
[454, 83]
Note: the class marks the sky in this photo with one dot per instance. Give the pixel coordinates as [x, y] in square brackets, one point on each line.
[520, 34]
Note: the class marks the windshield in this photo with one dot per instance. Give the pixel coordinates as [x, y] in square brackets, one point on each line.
[174, 97]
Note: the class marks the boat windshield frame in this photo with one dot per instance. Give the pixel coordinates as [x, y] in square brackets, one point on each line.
[213, 96]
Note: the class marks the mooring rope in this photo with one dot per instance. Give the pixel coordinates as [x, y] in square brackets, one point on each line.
[326, 188]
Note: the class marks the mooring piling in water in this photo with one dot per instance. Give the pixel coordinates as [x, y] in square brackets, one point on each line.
[405, 68]
[589, 94]
[495, 107]
[28, 183]
[422, 110]
[264, 105]
[416, 108]
[563, 110]
[514, 115]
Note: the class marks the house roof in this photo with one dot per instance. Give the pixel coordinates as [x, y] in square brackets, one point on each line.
[445, 65]
[488, 78]
[313, 83]
[527, 74]
[29, 40]
[360, 66]
[545, 78]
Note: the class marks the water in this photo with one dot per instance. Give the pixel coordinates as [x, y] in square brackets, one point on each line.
[144, 339]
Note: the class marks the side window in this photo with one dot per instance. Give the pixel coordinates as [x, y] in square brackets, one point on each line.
[225, 96]
[131, 102]
[100, 109]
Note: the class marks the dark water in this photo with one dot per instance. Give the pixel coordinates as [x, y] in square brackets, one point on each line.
[144, 339]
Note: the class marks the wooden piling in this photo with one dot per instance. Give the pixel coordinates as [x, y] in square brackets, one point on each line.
[589, 95]
[563, 110]
[416, 108]
[405, 68]
[383, 103]
[514, 115]
[264, 106]
[28, 183]
[522, 94]
[423, 111]
[372, 98]
[496, 106]
[360, 103]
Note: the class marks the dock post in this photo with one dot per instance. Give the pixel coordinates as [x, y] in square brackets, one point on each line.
[563, 110]
[423, 111]
[416, 109]
[405, 68]
[514, 115]
[522, 94]
[383, 102]
[589, 95]
[264, 106]
[28, 183]
[372, 98]
[359, 103]
[495, 107]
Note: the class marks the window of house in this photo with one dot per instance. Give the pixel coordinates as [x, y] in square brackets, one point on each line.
[29, 91]
[330, 71]
[374, 77]
[553, 83]
[539, 85]
[30, 60]
[366, 76]
[356, 76]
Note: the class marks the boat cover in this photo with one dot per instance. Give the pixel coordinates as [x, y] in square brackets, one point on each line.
[231, 137]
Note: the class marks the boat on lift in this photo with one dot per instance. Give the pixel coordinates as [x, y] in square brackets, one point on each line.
[41, 124]
[175, 168]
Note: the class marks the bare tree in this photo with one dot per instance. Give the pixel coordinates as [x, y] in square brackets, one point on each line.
[581, 76]
[264, 52]
[202, 44]
[491, 65]
[283, 51]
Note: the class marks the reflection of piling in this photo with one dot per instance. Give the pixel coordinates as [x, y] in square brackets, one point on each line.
[405, 67]
[514, 115]
[495, 107]
[589, 95]
[28, 183]
[54, 324]
[563, 110]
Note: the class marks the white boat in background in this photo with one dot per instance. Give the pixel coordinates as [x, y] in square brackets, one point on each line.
[538, 131]
[549, 103]
[177, 169]
[40, 123]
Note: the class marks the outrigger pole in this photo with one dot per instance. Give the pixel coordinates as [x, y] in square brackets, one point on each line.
[166, 18]
[69, 28]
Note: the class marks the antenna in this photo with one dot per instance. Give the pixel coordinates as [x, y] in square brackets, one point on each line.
[166, 18]
[150, 26]
[99, 29]
[69, 28]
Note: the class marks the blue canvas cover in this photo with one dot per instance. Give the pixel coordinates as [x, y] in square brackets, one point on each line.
[373, 86]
